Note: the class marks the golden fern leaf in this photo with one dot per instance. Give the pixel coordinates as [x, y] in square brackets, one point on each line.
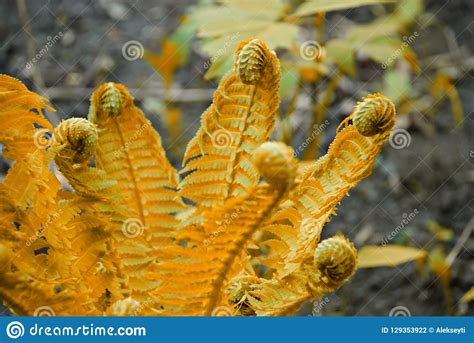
[97, 223]
[296, 226]
[20, 111]
[333, 262]
[350, 159]
[33, 229]
[217, 249]
[130, 152]
[77, 139]
[240, 118]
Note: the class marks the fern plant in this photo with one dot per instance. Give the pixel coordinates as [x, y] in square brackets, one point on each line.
[236, 232]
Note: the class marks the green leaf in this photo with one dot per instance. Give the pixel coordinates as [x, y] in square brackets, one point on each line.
[289, 81]
[384, 50]
[219, 67]
[408, 10]
[315, 6]
[279, 35]
[341, 53]
[397, 86]
[373, 256]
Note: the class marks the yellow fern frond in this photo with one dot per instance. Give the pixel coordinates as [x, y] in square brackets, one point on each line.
[334, 261]
[20, 110]
[350, 158]
[219, 246]
[130, 152]
[240, 118]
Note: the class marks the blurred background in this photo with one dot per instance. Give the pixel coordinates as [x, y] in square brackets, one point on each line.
[171, 55]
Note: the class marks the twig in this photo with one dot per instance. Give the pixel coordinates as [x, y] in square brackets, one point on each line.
[460, 243]
[30, 43]
[173, 95]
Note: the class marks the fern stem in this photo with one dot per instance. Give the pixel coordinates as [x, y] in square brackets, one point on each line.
[239, 245]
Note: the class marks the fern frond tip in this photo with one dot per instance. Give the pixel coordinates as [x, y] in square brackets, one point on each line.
[251, 60]
[79, 137]
[276, 163]
[375, 114]
[335, 261]
[110, 98]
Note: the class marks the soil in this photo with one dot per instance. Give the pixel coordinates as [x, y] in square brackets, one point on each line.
[433, 175]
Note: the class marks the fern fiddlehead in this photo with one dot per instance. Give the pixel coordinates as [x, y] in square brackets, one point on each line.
[374, 115]
[79, 137]
[276, 163]
[251, 61]
[335, 260]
